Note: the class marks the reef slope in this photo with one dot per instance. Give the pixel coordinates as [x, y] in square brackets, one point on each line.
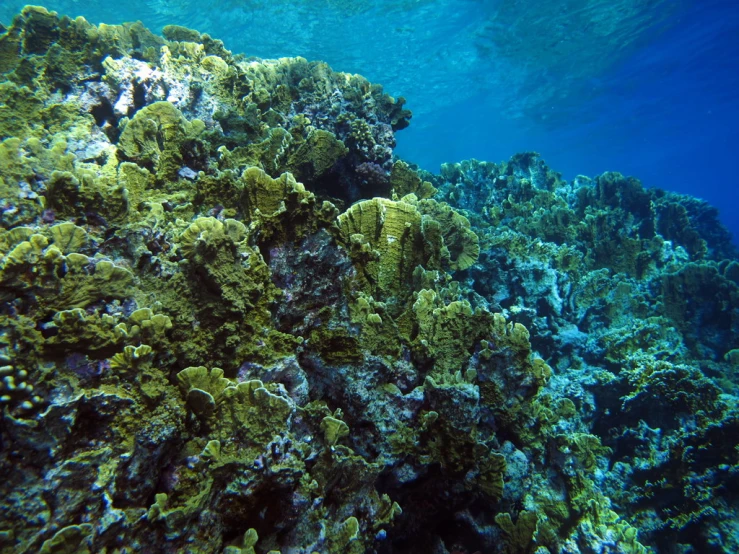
[232, 320]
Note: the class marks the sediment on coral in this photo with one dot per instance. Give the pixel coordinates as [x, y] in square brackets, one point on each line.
[231, 319]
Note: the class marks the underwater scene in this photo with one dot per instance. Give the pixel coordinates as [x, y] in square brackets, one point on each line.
[339, 276]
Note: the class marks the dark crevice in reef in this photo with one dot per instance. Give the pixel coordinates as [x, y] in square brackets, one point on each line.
[104, 114]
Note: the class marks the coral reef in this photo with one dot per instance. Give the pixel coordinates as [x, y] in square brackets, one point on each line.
[231, 320]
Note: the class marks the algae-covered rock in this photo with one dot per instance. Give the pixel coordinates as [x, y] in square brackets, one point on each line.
[233, 320]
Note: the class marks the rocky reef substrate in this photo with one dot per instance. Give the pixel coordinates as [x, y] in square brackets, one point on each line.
[232, 320]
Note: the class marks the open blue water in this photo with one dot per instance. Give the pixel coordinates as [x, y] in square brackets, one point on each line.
[650, 89]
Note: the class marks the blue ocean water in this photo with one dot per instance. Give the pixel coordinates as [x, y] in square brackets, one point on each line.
[649, 89]
[666, 113]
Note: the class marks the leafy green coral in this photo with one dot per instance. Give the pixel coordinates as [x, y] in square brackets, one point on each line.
[460, 245]
[202, 388]
[343, 538]
[447, 333]
[77, 330]
[153, 138]
[248, 542]
[317, 155]
[151, 228]
[405, 181]
[203, 237]
[521, 534]
[379, 332]
[73, 539]
[137, 182]
[334, 429]
[384, 237]
[281, 208]
[33, 266]
[389, 239]
[253, 411]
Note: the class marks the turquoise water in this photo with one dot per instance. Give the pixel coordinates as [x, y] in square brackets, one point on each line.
[649, 89]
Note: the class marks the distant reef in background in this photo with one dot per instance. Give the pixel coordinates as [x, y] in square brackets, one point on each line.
[232, 320]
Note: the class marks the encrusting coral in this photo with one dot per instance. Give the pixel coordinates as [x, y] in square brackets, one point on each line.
[232, 320]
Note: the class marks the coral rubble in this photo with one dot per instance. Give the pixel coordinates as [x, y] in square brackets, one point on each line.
[232, 321]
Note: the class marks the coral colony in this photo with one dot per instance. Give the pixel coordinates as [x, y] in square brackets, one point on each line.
[232, 321]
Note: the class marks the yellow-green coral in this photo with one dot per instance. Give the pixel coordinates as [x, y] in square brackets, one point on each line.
[90, 280]
[155, 135]
[246, 546]
[146, 323]
[603, 522]
[586, 448]
[281, 208]
[202, 388]
[74, 539]
[68, 237]
[461, 246]
[78, 330]
[447, 333]
[132, 358]
[62, 282]
[405, 181]
[208, 232]
[379, 332]
[344, 538]
[333, 429]
[172, 237]
[252, 411]
[269, 197]
[318, 154]
[520, 536]
[384, 238]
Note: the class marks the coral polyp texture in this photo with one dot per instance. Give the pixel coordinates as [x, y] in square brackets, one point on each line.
[233, 321]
